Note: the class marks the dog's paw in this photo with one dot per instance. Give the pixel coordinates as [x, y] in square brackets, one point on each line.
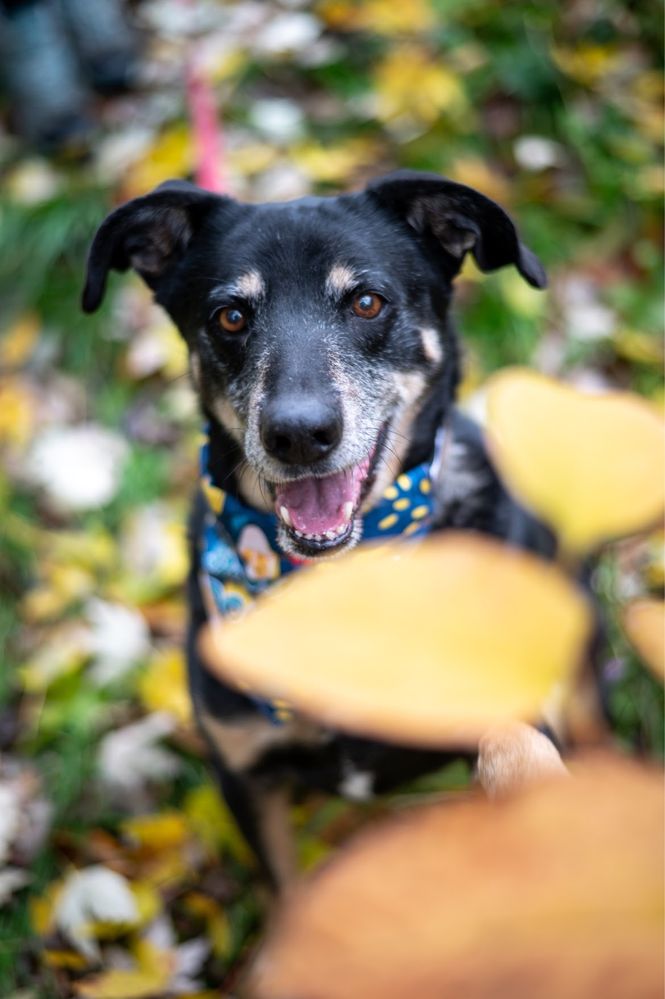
[513, 756]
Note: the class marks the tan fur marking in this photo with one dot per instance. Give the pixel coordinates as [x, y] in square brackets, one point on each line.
[410, 386]
[249, 487]
[195, 370]
[431, 345]
[241, 744]
[250, 285]
[513, 756]
[273, 814]
[228, 417]
[340, 280]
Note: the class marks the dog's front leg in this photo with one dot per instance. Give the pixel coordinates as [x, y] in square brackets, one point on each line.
[512, 756]
[260, 806]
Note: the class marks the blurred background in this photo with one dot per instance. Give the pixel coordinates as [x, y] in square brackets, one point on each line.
[554, 109]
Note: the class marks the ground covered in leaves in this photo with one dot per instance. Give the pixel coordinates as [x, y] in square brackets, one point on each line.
[121, 874]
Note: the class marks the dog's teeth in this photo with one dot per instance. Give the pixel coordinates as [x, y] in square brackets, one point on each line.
[331, 535]
[347, 510]
[285, 515]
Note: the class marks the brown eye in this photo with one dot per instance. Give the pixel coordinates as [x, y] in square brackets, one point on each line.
[368, 305]
[232, 320]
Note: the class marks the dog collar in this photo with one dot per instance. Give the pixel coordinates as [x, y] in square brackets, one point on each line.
[240, 556]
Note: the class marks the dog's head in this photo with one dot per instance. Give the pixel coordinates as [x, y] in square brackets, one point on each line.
[317, 329]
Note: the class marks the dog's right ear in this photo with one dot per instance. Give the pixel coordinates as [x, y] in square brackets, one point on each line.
[149, 234]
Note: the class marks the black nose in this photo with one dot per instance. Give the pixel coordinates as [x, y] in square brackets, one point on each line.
[299, 430]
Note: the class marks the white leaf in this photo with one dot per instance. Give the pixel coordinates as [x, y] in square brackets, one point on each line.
[78, 468]
[11, 879]
[95, 894]
[119, 639]
[10, 817]
[130, 756]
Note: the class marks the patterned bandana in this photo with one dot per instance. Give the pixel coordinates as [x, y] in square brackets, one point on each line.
[240, 557]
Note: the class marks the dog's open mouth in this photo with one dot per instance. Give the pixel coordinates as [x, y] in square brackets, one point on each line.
[318, 513]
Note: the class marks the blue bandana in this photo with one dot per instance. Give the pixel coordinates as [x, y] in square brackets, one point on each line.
[240, 557]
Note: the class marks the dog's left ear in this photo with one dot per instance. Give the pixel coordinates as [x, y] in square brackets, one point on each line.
[461, 219]
[150, 234]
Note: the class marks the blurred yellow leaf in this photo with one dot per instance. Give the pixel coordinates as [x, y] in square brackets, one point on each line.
[593, 466]
[163, 686]
[333, 164]
[476, 172]
[638, 346]
[252, 158]
[212, 822]
[149, 978]
[218, 927]
[63, 650]
[17, 412]
[427, 644]
[61, 586]
[555, 892]
[409, 82]
[171, 156]
[644, 622]
[589, 63]
[164, 830]
[381, 17]
[69, 959]
[18, 342]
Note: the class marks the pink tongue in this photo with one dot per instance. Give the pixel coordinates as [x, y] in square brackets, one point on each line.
[317, 505]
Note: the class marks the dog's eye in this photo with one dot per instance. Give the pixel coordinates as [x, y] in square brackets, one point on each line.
[368, 305]
[232, 319]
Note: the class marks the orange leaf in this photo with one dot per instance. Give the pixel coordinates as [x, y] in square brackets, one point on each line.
[556, 892]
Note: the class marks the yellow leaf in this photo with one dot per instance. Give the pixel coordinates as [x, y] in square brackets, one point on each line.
[69, 959]
[411, 83]
[19, 341]
[381, 17]
[554, 892]
[148, 979]
[644, 622]
[400, 651]
[17, 412]
[158, 832]
[63, 650]
[476, 172]
[218, 927]
[163, 686]
[61, 586]
[638, 346]
[170, 156]
[592, 466]
[333, 164]
[212, 822]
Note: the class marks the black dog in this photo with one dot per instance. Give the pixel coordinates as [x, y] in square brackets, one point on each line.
[326, 365]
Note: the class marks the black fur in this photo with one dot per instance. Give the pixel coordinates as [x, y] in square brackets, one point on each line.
[404, 239]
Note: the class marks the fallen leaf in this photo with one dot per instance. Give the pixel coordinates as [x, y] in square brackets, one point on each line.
[130, 756]
[149, 977]
[163, 685]
[593, 466]
[555, 892]
[119, 639]
[94, 894]
[644, 622]
[77, 468]
[19, 341]
[443, 680]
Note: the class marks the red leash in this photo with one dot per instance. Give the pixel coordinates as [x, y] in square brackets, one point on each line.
[210, 171]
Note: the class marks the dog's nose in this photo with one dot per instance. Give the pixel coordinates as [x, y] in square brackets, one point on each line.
[300, 430]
